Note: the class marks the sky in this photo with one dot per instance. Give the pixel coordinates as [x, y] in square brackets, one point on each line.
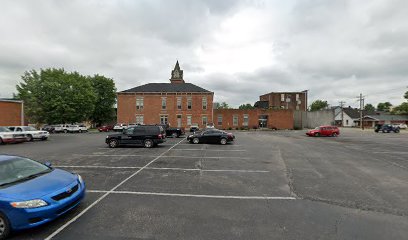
[240, 50]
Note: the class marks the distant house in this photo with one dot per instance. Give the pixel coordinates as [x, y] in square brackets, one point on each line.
[372, 120]
[350, 117]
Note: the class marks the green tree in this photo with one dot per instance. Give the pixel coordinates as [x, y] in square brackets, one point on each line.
[246, 106]
[369, 107]
[406, 95]
[318, 105]
[222, 105]
[384, 106]
[401, 109]
[55, 96]
[105, 91]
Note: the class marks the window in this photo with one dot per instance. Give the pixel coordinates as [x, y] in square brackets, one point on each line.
[282, 97]
[204, 118]
[164, 104]
[179, 103]
[139, 119]
[297, 97]
[235, 120]
[189, 103]
[297, 107]
[219, 120]
[189, 120]
[139, 103]
[204, 103]
[246, 120]
[164, 119]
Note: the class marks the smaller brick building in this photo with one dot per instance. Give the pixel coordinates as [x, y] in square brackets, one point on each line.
[11, 112]
[285, 100]
[253, 118]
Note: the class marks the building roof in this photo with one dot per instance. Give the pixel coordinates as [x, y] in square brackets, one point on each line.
[355, 113]
[304, 91]
[10, 100]
[261, 104]
[388, 117]
[167, 87]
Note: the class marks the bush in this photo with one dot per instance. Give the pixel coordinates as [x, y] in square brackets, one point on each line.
[230, 128]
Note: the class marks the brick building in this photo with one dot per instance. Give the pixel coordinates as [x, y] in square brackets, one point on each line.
[177, 103]
[284, 100]
[11, 112]
[253, 118]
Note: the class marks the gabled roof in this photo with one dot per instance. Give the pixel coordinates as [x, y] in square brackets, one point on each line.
[355, 113]
[167, 87]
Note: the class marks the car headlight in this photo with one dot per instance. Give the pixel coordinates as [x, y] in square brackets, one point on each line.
[80, 178]
[29, 204]
[107, 136]
[190, 136]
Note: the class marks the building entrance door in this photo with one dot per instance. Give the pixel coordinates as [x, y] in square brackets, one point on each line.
[263, 121]
[179, 121]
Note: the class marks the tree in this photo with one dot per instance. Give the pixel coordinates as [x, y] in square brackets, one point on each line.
[401, 109]
[222, 105]
[55, 96]
[318, 105]
[384, 106]
[406, 95]
[369, 107]
[105, 91]
[246, 106]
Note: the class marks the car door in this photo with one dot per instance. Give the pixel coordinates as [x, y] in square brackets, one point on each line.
[215, 136]
[205, 137]
[127, 136]
[139, 135]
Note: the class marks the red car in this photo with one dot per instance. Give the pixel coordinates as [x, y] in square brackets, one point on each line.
[324, 131]
[105, 128]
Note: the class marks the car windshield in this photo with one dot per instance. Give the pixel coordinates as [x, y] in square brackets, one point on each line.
[20, 169]
[3, 129]
[317, 128]
[29, 128]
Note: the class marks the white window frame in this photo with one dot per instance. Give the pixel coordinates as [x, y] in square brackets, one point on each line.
[189, 103]
[165, 118]
[189, 120]
[219, 117]
[204, 103]
[282, 97]
[139, 119]
[245, 122]
[206, 120]
[164, 103]
[139, 103]
[235, 120]
[179, 103]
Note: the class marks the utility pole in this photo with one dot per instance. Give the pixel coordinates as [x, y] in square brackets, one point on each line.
[361, 99]
[342, 115]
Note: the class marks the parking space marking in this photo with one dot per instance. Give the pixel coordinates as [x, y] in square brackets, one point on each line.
[175, 169]
[106, 194]
[211, 150]
[393, 152]
[131, 155]
[196, 196]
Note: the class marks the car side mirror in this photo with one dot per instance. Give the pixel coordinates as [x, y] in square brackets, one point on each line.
[48, 164]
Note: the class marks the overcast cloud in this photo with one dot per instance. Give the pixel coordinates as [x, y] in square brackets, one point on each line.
[238, 49]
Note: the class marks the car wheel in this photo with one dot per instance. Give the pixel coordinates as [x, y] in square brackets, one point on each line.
[223, 141]
[196, 140]
[113, 143]
[80, 131]
[317, 135]
[4, 227]
[148, 143]
[30, 138]
[174, 135]
[65, 130]
[334, 134]
[43, 138]
[396, 130]
[1, 141]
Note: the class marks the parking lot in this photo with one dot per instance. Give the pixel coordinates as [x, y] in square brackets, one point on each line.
[266, 185]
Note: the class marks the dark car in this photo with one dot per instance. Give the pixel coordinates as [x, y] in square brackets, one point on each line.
[147, 136]
[175, 132]
[211, 136]
[48, 128]
[386, 128]
[105, 128]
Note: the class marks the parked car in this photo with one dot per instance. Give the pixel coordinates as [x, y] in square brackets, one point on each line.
[7, 136]
[147, 136]
[211, 136]
[32, 193]
[324, 131]
[194, 127]
[82, 128]
[386, 128]
[401, 126]
[30, 132]
[48, 128]
[119, 127]
[209, 125]
[59, 128]
[105, 128]
[175, 132]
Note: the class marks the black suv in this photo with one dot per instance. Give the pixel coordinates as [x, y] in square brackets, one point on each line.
[147, 136]
[386, 128]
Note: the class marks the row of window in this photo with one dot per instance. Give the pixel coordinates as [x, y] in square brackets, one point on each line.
[234, 120]
[139, 103]
[164, 119]
[287, 99]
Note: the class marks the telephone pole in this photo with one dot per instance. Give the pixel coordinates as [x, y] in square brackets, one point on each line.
[342, 115]
[361, 99]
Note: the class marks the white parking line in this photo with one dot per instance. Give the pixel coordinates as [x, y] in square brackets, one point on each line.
[196, 195]
[105, 195]
[393, 152]
[175, 169]
[132, 155]
[210, 150]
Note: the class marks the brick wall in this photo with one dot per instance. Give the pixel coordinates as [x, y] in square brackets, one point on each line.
[280, 119]
[10, 113]
[275, 102]
[152, 107]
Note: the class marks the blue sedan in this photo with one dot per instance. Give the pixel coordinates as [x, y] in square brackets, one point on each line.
[32, 193]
